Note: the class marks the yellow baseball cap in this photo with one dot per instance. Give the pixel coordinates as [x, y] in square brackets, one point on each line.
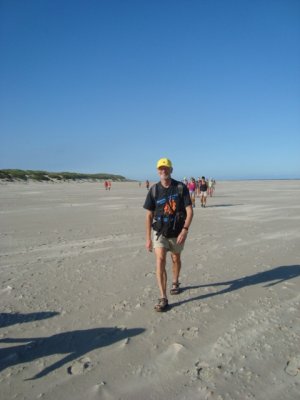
[164, 162]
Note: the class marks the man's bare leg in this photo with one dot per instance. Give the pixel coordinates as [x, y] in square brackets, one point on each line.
[161, 273]
[176, 267]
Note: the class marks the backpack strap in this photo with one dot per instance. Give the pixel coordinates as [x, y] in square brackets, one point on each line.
[154, 191]
[180, 188]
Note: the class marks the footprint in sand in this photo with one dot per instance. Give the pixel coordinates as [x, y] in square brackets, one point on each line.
[171, 353]
[293, 366]
[190, 332]
[80, 366]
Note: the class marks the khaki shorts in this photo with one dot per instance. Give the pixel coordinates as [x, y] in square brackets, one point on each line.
[167, 243]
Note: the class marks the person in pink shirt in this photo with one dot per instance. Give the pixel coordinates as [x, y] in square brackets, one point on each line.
[192, 189]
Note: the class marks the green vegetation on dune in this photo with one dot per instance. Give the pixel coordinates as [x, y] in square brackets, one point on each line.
[24, 175]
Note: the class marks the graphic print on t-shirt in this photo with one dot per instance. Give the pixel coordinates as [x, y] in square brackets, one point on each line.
[169, 205]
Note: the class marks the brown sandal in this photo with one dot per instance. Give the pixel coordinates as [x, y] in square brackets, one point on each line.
[175, 289]
[162, 305]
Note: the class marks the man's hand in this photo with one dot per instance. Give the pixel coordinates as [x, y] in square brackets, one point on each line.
[149, 245]
[182, 236]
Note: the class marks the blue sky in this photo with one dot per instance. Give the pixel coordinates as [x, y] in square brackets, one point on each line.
[113, 85]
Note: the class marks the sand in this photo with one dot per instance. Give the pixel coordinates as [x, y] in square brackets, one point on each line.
[77, 291]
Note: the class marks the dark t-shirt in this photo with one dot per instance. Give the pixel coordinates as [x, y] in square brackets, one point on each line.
[164, 196]
[203, 187]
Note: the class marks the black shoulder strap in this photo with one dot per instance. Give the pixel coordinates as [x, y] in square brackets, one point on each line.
[180, 188]
[154, 191]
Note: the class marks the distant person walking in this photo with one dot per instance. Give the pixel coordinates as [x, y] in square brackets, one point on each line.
[169, 213]
[198, 183]
[105, 185]
[203, 192]
[192, 190]
[211, 187]
[109, 185]
[147, 184]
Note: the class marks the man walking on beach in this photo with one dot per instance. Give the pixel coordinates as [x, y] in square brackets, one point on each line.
[169, 213]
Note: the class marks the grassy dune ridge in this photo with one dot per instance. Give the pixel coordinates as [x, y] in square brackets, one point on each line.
[25, 175]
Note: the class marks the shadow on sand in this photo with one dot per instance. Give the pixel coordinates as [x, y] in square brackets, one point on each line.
[7, 319]
[74, 344]
[269, 278]
[222, 205]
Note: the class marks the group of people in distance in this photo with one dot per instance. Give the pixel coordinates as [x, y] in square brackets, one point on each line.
[200, 188]
[107, 185]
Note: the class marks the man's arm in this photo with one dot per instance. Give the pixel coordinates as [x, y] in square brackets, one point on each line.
[189, 216]
[149, 220]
